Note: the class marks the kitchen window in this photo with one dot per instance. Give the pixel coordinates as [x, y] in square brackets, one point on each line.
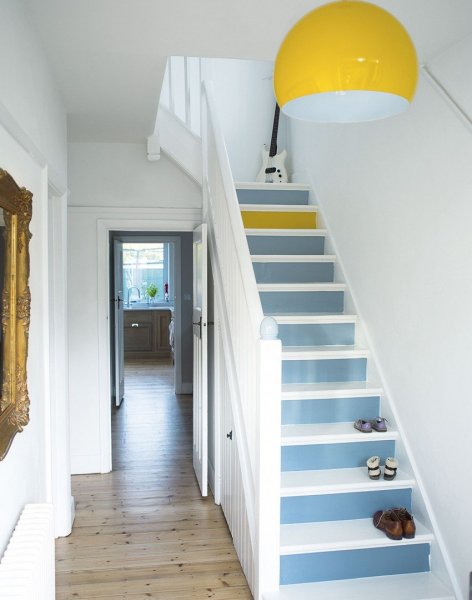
[145, 265]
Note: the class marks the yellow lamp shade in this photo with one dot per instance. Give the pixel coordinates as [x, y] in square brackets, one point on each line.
[346, 61]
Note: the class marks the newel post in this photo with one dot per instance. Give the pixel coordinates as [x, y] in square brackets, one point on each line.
[268, 464]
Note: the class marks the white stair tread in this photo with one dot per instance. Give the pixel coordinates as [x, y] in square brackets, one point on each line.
[413, 586]
[323, 352]
[339, 481]
[279, 207]
[293, 258]
[314, 391]
[311, 318]
[330, 433]
[301, 287]
[256, 185]
[300, 538]
[286, 232]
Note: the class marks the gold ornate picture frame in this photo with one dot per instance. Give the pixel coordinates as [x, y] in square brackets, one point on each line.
[16, 203]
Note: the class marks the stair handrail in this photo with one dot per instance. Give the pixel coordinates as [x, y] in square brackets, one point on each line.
[249, 280]
[254, 358]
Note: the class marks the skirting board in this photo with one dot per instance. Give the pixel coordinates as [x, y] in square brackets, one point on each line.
[85, 464]
[211, 478]
[72, 511]
[185, 388]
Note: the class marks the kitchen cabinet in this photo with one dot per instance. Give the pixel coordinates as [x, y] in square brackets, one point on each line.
[146, 333]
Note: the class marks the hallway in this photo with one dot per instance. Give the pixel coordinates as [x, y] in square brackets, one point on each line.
[143, 531]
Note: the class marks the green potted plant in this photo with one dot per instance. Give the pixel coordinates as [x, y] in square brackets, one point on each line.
[152, 291]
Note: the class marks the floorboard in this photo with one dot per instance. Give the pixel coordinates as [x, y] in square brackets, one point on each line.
[143, 531]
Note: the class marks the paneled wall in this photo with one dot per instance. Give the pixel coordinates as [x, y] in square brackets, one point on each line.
[231, 488]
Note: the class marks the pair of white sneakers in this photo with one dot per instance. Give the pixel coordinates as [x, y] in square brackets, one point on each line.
[390, 469]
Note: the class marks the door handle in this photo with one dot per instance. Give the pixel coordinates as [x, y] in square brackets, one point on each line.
[199, 323]
[230, 435]
[134, 324]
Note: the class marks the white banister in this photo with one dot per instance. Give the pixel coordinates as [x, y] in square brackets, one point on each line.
[252, 356]
[224, 201]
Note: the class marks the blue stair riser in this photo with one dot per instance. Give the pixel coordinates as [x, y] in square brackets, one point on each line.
[273, 196]
[281, 244]
[324, 371]
[302, 302]
[340, 507]
[330, 410]
[323, 334]
[334, 456]
[286, 272]
[351, 564]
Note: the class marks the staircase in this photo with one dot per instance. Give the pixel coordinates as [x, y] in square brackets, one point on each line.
[329, 546]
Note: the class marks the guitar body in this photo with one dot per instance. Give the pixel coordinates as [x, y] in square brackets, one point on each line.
[269, 163]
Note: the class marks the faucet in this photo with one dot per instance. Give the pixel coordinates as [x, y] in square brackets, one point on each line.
[133, 287]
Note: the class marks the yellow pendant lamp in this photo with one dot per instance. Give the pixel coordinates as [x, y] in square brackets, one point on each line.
[346, 61]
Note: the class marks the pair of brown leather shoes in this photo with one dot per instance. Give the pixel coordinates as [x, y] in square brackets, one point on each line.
[395, 523]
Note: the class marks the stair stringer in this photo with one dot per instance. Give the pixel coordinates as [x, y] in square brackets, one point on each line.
[180, 144]
[441, 564]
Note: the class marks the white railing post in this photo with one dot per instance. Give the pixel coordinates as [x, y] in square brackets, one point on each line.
[269, 461]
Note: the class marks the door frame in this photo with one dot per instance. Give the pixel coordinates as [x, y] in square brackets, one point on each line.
[200, 357]
[58, 447]
[117, 327]
[177, 276]
[104, 227]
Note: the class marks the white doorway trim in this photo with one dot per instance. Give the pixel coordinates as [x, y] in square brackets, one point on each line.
[200, 356]
[61, 494]
[161, 220]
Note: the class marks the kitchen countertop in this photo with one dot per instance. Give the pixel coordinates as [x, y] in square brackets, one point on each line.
[137, 306]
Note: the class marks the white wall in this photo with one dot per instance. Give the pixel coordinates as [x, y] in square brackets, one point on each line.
[120, 175]
[28, 94]
[109, 183]
[448, 67]
[245, 99]
[30, 109]
[23, 471]
[397, 197]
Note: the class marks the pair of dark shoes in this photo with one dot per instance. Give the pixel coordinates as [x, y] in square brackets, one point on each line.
[377, 424]
[396, 523]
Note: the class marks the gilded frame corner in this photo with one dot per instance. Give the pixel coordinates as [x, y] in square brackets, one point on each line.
[17, 205]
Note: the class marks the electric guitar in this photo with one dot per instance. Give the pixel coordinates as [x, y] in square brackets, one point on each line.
[273, 165]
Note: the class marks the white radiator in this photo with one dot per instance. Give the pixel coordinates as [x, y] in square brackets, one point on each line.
[27, 566]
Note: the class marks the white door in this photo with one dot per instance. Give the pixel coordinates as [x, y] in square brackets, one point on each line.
[119, 324]
[200, 377]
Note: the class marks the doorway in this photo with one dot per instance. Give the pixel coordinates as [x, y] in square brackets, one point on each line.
[150, 295]
[144, 298]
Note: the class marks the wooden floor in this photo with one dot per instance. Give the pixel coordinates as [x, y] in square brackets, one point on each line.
[143, 531]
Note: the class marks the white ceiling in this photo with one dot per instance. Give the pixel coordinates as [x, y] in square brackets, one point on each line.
[109, 56]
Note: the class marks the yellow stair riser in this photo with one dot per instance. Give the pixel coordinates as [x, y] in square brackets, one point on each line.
[254, 219]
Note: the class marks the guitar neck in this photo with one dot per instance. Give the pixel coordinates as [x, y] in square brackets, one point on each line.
[275, 129]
